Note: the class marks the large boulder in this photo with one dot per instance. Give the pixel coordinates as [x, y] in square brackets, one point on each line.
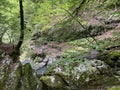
[91, 74]
[88, 74]
[15, 76]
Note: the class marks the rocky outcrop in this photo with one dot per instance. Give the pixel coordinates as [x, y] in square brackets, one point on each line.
[14, 76]
[9, 78]
[89, 74]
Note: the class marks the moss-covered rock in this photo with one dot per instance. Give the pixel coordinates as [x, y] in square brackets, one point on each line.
[8, 78]
[29, 81]
[53, 83]
[112, 58]
[90, 74]
[15, 76]
[93, 74]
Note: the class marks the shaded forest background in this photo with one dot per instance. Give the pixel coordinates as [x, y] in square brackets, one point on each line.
[78, 22]
[61, 44]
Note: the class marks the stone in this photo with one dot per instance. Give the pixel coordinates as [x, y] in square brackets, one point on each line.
[112, 58]
[15, 76]
[53, 83]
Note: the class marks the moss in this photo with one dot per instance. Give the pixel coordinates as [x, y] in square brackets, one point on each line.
[3, 83]
[18, 72]
[52, 81]
[46, 79]
[27, 69]
[112, 58]
[29, 81]
[83, 77]
[115, 88]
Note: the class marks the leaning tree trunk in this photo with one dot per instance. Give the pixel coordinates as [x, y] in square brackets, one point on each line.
[21, 38]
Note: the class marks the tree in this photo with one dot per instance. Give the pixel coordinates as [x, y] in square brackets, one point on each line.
[12, 49]
[21, 38]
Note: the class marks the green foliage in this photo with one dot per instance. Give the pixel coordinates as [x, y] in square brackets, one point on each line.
[112, 3]
[85, 42]
[42, 15]
[68, 60]
[39, 15]
[108, 42]
[116, 14]
[9, 16]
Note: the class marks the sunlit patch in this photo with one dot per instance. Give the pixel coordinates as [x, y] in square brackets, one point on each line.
[23, 56]
[52, 79]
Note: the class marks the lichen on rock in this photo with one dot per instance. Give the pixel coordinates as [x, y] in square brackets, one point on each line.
[53, 81]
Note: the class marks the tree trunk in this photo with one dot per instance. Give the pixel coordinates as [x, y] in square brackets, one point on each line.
[21, 38]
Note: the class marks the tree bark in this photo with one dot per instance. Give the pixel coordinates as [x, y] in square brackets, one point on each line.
[21, 38]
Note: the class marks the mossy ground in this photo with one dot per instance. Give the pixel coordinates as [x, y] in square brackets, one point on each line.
[115, 88]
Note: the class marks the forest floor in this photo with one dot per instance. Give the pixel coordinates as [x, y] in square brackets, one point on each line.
[54, 49]
[99, 20]
[108, 34]
[78, 49]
